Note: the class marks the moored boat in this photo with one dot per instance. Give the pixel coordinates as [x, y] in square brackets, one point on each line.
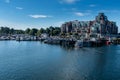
[79, 43]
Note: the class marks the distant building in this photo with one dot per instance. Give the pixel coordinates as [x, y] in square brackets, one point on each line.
[101, 25]
[67, 27]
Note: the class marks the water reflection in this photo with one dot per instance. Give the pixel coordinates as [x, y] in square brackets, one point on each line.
[39, 61]
[97, 63]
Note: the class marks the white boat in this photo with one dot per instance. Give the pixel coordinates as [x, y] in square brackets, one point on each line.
[79, 43]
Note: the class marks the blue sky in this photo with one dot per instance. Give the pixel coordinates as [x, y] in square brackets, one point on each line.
[21, 14]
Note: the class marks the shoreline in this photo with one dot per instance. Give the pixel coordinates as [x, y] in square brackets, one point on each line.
[70, 42]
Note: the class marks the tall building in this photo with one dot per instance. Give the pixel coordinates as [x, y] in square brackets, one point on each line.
[101, 25]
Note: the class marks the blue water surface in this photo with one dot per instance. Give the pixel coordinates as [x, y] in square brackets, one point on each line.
[39, 61]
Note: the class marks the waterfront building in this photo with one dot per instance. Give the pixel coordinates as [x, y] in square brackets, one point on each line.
[100, 26]
[67, 27]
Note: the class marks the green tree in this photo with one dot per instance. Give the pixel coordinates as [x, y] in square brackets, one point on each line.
[62, 34]
[19, 32]
[51, 30]
[42, 30]
[12, 31]
[27, 31]
[47, 30]
[38, 33]
[33, 32]
[57, 31]
[5, 30]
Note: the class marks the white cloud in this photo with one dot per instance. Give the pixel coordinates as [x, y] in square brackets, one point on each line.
[79, 14]
[92, 5]
[20, 8]
[39, 16]
[82, 14]
[68, 1]
[7, 1]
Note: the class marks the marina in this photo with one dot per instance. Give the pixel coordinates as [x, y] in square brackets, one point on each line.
[95, 33]
[65, 41]
[59, 39]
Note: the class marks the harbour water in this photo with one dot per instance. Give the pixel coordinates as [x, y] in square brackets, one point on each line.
[39, 61]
